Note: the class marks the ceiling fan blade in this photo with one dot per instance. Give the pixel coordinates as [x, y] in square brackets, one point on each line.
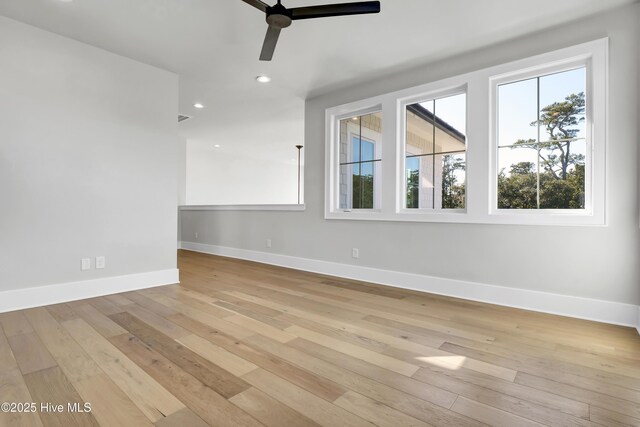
[258, 4]
[339, 9]
[269, 45]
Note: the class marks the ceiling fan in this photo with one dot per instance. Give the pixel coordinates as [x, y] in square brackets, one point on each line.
[279, 17]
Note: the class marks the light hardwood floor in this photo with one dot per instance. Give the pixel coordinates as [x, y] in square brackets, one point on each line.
[246, 344]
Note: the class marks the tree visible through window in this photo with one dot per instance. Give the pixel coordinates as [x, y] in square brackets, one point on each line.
[542, 146]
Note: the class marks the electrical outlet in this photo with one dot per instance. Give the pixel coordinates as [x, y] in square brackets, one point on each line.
[355, 253]
[101, 262]
[268, 243]
[85, 264]
[196, 235]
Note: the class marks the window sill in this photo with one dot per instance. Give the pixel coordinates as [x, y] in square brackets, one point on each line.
[460, 217]
[242, 208]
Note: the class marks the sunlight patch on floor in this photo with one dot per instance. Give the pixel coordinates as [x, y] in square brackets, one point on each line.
[447, 362]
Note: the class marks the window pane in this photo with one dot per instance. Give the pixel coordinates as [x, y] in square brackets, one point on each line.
[360, 147]
[419, 138]
[356, 147]
[419, 187]
[412, 169]
[517, 112]
[517, 178]
[562, 102]
[450, 181]
[545, 171]
[357, 186]
[367, 151]
[346, 183]
[563, 186]
[451, 123]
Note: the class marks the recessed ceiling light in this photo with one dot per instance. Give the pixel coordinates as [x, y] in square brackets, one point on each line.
[198, 105]
[355, 119]
[263, 79]
[216, 146]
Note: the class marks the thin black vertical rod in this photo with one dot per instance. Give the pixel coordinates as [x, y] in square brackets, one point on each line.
[298, 147]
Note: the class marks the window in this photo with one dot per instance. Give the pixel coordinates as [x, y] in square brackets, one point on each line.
[542, 144]
[516, 143]
[360, 142]
[435, 147]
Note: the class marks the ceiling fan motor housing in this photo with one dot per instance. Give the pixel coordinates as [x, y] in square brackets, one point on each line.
[278, 16]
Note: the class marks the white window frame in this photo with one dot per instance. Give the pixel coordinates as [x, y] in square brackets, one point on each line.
[481, 154]
[402, 191]
[332, 179]
[593, 59]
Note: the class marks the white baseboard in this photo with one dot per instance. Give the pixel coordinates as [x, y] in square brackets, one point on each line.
[18, 299]
[582, 308]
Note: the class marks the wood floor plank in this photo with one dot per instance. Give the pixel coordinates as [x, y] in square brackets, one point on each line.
[182, 418]
[591, 397]
[203, 317]
[218, 355]
[158, 322]
[76, 364]
[269, 411]
[149, 304]
[118, 300]
[203, 401]
[408, 351]
[445, 359]
[260, 328]
[317, 385]
[150, 397]
[62, 312]
[482, 387]
[51, 387]
[606, 417]
[109, 404]
[381, 360]
[30, 353]
[14, 323]
[422, 409]
[7, 361]
[490, 415]
[255, 315]
[376, 412]
[300, 400]
[105, 306]
[210, 374]
[13, 390]
[100, 322]
[540, 363]
[235, 304]
[348, 379]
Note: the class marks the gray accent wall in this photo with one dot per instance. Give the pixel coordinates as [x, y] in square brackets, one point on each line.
[592, 262]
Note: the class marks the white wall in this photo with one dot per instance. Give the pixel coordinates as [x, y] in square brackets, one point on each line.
[256, 161]
[216, 177]
[88, 142]
[592, 262]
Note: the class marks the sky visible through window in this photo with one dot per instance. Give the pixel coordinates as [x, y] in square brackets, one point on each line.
[452, 109]
[542, 148]
[517, 109]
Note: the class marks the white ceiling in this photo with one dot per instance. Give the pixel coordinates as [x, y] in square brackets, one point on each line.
[214, 46]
